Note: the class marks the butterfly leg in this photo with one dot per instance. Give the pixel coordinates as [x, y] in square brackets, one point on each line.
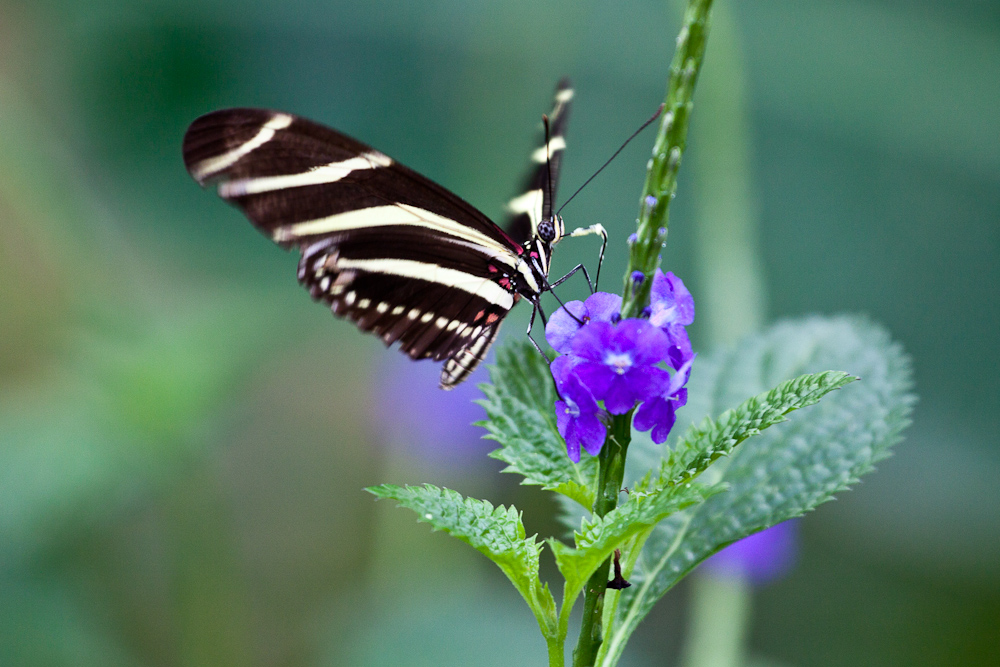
[536, 307]
[578, 267]
[603, 233]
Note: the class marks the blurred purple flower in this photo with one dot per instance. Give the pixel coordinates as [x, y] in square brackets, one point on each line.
[424, 422]
[760, 558]
[563, 325]
[577, 411]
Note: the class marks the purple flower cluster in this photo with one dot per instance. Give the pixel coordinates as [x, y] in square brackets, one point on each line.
[618, 362]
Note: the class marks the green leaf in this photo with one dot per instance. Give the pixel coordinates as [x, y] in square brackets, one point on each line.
[651, 502]
[521, 417]
[597, 538]
[785, 471]
[496, 532]
[704, 443]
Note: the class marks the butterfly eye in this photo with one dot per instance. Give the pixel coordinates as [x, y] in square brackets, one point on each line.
[546, 231]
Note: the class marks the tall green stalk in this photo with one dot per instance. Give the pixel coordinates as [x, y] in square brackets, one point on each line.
[658, 191]
[661, 172]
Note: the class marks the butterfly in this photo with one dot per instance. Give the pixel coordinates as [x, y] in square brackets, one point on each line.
[383, 246]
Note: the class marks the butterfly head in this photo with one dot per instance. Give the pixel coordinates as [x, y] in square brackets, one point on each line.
[550, 230]
[538, 249]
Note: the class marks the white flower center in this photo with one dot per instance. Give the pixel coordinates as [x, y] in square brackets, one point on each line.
[572, 409]
[620, 362]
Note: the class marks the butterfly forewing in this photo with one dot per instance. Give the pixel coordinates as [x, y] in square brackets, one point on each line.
[535, 200]
[383, 246]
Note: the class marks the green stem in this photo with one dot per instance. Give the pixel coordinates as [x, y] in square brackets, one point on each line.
[661, 174]
[556, 645]
[658, 191]
[611, 473]
[719, 614]
[731, 298]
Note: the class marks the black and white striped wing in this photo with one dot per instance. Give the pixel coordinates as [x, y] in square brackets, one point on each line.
[537, 196]
[385, 247]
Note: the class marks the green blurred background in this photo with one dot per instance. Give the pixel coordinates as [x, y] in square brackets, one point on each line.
[184, 437]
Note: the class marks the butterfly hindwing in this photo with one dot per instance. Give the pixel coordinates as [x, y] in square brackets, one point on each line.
[430, 309]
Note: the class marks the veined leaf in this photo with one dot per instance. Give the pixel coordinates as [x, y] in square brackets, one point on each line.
[712, 439]
[496, 532]
[597, 539]
[521, 417]
[785, 471]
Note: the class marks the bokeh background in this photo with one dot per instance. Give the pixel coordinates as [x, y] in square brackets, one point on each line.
[184, 437]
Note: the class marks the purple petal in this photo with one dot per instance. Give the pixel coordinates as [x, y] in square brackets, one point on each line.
[592, 433]
[574, 390]
[596, 377]
[647, 343]
[661, 431]
[562, 367]
[602, 306]
[683, 299]
[619, 398]
[681, 398]
[647, 381]
[670, 300]
[657, 414]
[592, 340]
[680, 378]
[680, 345]
[649, 414]
[562, 326]
[564, 423]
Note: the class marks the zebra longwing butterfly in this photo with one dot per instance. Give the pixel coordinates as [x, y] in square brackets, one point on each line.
[385, 247]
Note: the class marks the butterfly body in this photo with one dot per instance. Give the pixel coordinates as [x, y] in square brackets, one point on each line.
[383, 246]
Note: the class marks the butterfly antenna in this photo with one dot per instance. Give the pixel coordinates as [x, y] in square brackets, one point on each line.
[548, 167]
[620, 149]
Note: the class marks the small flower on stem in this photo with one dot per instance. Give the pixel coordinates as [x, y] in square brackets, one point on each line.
[659, 413]
[576, 412]
[672, 309]
[615, 364]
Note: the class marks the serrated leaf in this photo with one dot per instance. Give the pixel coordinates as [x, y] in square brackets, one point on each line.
[704, 443]
[598, 538]
[790, 468]
[496, 532]
[521, 417]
